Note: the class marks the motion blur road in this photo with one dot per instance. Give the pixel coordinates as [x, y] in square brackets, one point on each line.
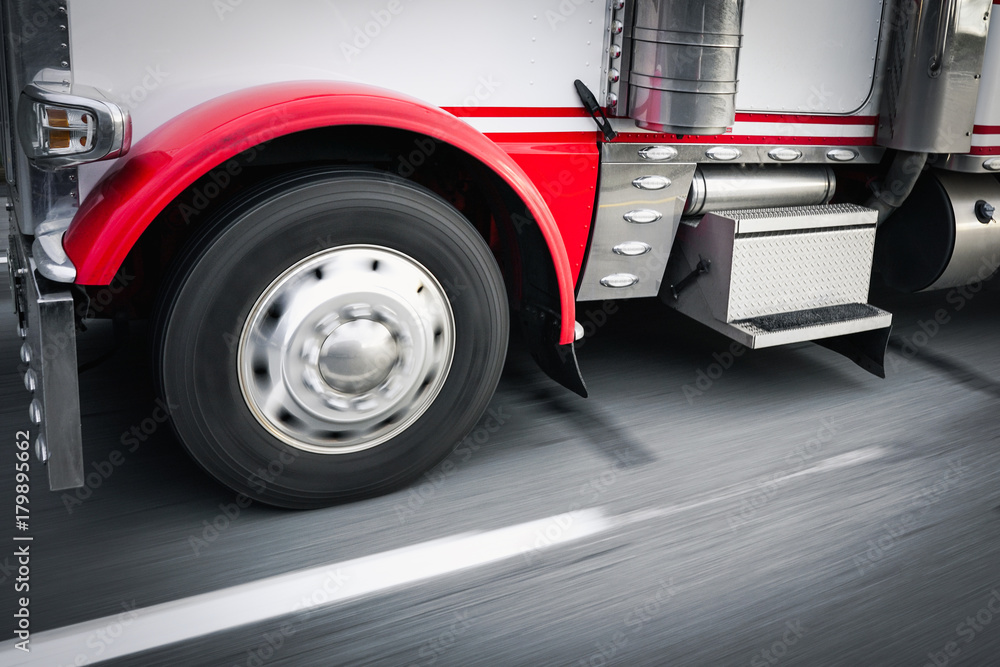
[701, 508]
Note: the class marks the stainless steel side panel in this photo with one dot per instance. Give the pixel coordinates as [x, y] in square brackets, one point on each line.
[749, 153]
[936, 61]
[654, 215]
[987, 113]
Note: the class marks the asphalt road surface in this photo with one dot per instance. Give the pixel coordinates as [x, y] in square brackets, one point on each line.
[778, 507]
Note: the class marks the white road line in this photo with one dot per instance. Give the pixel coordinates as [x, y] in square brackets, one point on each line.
[738, 490]
[131, 632]
[143, 629]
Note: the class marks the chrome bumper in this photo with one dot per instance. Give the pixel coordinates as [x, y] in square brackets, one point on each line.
[48, 360]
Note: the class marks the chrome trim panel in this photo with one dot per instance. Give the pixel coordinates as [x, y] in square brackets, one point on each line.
[45, 312]
[630, 218]
[969, 164]
[614, 55]
[47, 250]
[51, 259]
[937, 51]
[622, 151]
[614, 92]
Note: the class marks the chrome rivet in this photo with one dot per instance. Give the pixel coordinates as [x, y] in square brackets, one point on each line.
[616, 51]
[841, 154]
[26, 353]
[614, 76]
[632, 248]
[618, 4]
[784, 154]
[619, 280]
[617, 27]
[723, 153]
[642, 216]
[658, 153]
[30, 381]
[35, 412]
[612, 100]
[651, 182]
[41, 449]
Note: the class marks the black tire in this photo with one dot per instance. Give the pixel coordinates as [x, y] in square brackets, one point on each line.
[233, 269]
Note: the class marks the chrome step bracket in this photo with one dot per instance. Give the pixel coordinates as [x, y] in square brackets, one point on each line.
[783, 276]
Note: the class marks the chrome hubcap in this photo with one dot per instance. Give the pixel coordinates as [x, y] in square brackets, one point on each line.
[346, 349]
[358, 356]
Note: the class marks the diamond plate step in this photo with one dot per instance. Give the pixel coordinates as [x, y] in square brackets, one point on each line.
[779, 276]
[813, 324]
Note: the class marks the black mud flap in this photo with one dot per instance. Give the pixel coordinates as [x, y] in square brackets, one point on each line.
[541, 334]
[865, 348]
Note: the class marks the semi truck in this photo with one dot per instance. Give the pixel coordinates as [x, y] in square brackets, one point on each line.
[333, 214]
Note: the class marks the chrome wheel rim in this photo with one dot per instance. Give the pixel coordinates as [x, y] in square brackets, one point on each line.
[346, 349]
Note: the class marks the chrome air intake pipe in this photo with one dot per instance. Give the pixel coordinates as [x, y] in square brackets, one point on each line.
[729, 187]
[684, 64]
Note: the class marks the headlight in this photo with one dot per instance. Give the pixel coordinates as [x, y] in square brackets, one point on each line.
[59, 129]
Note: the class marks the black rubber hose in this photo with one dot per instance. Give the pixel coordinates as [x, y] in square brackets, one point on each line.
[898, 183]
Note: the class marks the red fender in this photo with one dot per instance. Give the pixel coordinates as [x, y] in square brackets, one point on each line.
[172, 157]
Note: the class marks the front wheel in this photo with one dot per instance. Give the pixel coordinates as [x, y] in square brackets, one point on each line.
[331, 337]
